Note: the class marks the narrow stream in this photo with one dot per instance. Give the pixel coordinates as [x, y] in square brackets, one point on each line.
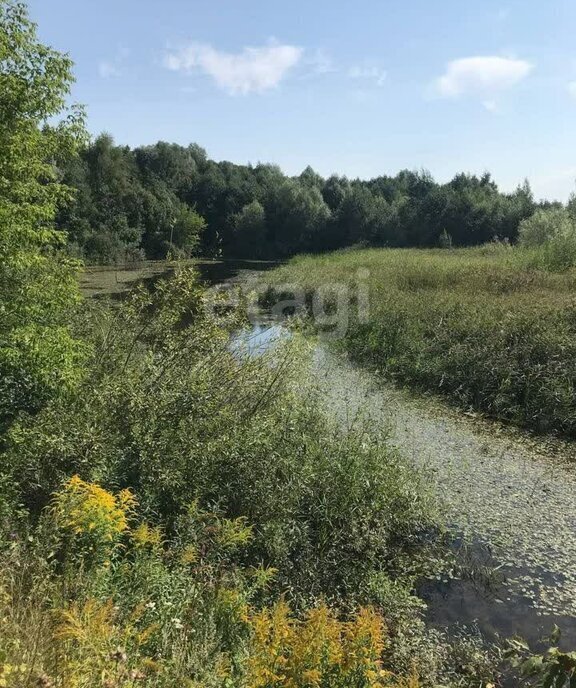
[510, 496]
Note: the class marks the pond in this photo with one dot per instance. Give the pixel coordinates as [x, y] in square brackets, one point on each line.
[509, 496]
[98, 281]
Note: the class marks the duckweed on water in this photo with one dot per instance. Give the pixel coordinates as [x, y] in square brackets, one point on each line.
[501, 488]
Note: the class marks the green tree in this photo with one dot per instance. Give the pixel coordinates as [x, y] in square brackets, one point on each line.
[38, 286]
[545, 226]
[187, 230]
[355, 215]
[249, 237]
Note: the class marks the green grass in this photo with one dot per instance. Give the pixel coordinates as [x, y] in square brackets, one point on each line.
[481, 326]
[246, 497]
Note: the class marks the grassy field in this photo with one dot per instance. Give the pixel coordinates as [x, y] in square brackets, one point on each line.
[481, 326]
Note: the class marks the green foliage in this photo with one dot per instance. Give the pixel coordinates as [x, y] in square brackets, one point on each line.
[445, 240]
[552, 235]
[129, 204]
[249, 237]
[168, 411]
[38, 356]
[475, 325]
[555, 668]
[247, 495]
[544, 226]
[128, 199]
[167, 612]
[188, 228]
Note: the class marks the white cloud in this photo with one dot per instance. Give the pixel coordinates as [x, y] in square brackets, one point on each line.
[368, 73]
[108, 70]
[482, 76]
[252, 70]
[572, 88]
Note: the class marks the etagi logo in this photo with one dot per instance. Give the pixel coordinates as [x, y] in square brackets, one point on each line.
[330, 307]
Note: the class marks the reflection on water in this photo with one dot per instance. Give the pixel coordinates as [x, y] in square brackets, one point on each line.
[481, 599]
[258, 338]
[217, 272]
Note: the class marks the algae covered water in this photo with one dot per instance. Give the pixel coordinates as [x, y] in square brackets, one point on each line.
[508, 497]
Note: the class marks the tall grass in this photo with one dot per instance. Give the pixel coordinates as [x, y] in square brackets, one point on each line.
[482, 326]
[189, 517]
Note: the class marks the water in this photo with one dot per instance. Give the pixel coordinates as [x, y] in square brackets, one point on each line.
[115, 281]
[512, 498]
[515, 504]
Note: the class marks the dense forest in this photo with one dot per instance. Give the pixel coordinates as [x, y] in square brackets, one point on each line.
[144, 202]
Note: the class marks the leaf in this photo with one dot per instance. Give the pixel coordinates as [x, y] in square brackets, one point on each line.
[550, 676]
[555, 635]
[532, 666]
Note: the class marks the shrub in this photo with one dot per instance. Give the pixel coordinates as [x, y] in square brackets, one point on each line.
[319, 650]
[552, 233]
[545, 225]
[170, 412]
[39, 358]
[155, 615]
[445, 240]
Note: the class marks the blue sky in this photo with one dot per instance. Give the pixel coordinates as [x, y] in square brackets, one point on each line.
[359, 88]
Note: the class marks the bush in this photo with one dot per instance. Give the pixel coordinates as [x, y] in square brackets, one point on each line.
[168, 411]
[445, 240]
[545, 225]
[167, 612]
[91, 517]
[552, 233]
[261, 537]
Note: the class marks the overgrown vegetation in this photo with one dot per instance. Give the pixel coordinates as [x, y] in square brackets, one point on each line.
[551, 236]
[186, 515]
[171, 512]
[220, 452]
[37, 285]
[175, 513]
[99, 597]
[483, 326]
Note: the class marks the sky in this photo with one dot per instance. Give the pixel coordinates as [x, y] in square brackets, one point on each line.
[359, 88]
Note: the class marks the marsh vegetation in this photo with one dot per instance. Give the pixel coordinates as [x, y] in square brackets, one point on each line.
[175, 511]
[487, 327]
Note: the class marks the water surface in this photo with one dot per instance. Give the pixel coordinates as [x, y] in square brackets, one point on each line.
[510, 497]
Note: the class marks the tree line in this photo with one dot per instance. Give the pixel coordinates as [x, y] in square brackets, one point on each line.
[162, 199]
